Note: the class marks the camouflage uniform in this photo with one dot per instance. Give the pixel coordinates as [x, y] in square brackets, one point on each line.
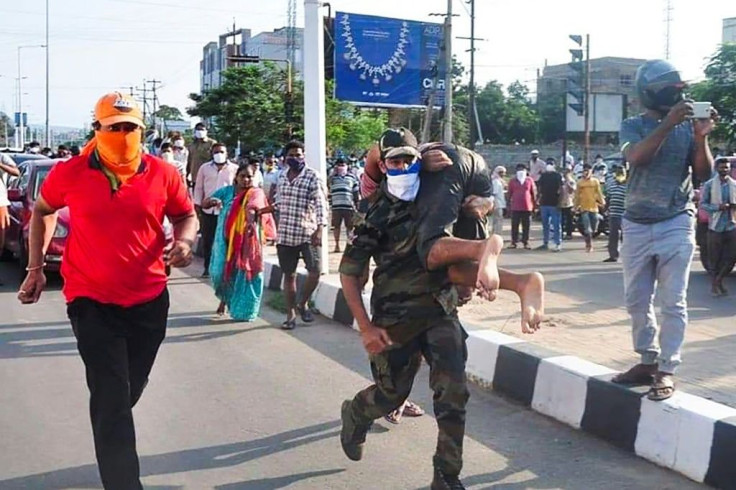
[418, 310]
[199, 153]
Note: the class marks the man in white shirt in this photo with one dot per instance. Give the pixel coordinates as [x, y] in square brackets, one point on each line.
[536, 166]
[213, 175]
[7, 168]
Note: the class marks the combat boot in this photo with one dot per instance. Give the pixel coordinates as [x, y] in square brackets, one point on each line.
[443, 481]
[352, 435]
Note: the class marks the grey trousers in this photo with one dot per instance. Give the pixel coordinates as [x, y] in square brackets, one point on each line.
[658, 255]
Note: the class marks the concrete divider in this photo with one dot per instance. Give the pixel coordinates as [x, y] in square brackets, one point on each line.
[688, 434]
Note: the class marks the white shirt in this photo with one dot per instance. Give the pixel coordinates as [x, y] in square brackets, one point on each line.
[210, 179]
[499, 193]
[270, 179]
[6, 160]
[258, 178]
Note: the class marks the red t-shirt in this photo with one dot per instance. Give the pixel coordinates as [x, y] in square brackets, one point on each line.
[114, 251]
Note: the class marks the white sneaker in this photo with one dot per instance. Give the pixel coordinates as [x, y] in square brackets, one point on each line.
[558, 248]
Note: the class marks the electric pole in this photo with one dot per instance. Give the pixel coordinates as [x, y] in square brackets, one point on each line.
[473, 121]
[447, 46]
[586, 107]
[154, 86]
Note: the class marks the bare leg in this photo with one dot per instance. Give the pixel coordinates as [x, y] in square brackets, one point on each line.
[221, 308]
[449, 251]
[336, 234]
[309, 286]
[290, 296]
[529, 288]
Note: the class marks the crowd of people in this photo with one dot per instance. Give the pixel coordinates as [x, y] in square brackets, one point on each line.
[430, 218]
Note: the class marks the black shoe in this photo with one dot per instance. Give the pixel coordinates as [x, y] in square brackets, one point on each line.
[443, 481]
[289, 324]
[352, 436]
[306, 314]
[543, 247]
[205, 274]
[610, 259]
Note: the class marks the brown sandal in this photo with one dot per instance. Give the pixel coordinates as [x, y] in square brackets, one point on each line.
[662, 388]
[395, 416]
[411, 409]
[641, 374]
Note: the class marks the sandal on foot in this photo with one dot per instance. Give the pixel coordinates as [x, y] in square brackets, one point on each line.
[641, 374]
[394, 417]
[306, 314]
[289, 324]
[662, 388]
[411, 409]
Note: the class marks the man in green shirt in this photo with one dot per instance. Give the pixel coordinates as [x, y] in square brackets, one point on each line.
[200, 151]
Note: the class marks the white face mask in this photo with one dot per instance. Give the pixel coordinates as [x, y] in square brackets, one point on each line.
[179, 144]
[167, 156]
[219, 158]
[550, 168]
[404, 184]
[200, 134]
[521, 175]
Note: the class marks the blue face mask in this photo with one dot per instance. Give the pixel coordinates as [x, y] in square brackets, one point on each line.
[295, 163]
[404, 184]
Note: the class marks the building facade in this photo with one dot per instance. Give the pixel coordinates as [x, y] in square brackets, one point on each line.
[729, 30]
[266, 45]
[613, 92]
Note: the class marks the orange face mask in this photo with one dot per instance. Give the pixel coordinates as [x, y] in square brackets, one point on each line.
[120, 152]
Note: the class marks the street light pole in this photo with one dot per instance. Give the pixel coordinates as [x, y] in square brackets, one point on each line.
[21, 140]
[48, 128]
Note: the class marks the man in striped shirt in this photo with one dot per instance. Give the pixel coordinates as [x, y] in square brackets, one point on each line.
[616, 199]
[344, 190]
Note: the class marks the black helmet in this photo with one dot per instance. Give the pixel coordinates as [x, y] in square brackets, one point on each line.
[659, 85]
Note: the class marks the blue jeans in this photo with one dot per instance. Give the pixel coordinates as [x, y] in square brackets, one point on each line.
[590, 222]
[551, 216]
[658, 255]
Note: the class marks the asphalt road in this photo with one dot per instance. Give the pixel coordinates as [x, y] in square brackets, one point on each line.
[247, 406]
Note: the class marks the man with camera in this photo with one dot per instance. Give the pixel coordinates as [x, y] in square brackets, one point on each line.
[665, 146]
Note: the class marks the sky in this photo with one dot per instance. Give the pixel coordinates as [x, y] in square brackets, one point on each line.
[105, 45]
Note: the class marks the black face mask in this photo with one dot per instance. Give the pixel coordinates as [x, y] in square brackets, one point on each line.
[667, 98]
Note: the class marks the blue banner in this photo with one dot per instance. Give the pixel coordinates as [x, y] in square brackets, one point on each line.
[387, 62]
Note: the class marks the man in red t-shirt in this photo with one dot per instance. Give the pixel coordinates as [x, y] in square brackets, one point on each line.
[114, 269]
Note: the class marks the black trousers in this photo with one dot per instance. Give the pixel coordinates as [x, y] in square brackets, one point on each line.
[118, 346]
[614, 236]
[721, 252]
[525, 219]
[208, 225]
[567, 222]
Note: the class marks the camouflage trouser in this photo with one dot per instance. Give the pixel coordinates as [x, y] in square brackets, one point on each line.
[443, 346]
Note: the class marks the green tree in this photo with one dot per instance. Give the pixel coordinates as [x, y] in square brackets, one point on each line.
[350, 128]
[6, 125]
[719, 87]
[249, 107]
[168, 113]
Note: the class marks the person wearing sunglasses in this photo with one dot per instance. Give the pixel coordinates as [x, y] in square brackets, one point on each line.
[114, 269]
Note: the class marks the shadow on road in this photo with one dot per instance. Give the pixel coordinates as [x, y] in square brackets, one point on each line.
[198, 459]
[278, 482]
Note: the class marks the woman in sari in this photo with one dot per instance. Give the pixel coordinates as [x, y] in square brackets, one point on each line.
[236, 266]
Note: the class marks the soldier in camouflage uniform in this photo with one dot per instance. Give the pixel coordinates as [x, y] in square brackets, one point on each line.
[414, 315]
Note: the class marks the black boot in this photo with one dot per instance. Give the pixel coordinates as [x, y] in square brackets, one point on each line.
[352, 435]
[443, 481]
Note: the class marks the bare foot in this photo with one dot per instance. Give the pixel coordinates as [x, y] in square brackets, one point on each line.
[532, 302]
[221, 309]
[722, 288]
[488, 281]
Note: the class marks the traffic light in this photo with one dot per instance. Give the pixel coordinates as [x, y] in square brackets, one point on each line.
[576, 78]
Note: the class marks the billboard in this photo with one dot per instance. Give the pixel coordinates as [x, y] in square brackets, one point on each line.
[606, 113]
[387, 62]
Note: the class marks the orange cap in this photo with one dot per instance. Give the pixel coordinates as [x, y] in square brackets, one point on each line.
[115, 108]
